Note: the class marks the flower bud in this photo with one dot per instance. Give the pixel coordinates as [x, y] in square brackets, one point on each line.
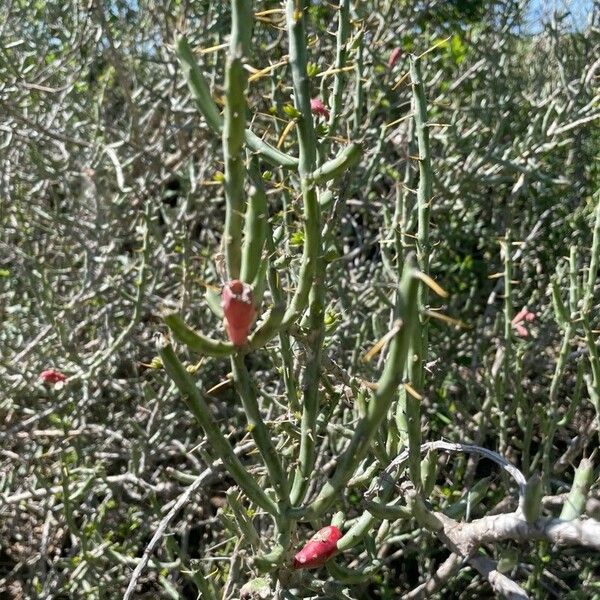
[238, 308]
[320, 548]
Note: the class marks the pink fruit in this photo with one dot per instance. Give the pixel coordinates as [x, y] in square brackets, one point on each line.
[237, 302]
[320, 548]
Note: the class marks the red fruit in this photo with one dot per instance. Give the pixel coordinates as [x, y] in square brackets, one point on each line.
[52, 376]
[394, 56]
[318, 108]
[320, 548]
[238, 308]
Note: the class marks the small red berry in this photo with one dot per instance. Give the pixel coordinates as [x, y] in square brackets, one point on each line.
[318, 108]
[237, 302]
[320, 548]
[52, 376]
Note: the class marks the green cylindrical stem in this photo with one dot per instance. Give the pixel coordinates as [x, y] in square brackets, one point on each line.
[258, 429]
[563, 320]
[574, 505]
[296, 15]
[234, 124]
[201, 93]
[269, 153]
[244, 524]
[376, 509]
[312, 246]
[574, 287]
[220, 445]
[575, 396]
[287, 360]
[387, 511]
[560, 310]
[508, 309]
[198, 86]
[312, 373]
[422, 514]
[588, 296]
[296, 11]
[470, 498]
[594, 258]
[379, 404]
[279, 551]
[359, 94]
[424, 190]
[195, 341]
[594, 358]
[413, 429]
[429, 472]
[267, 329]
[348, 576]
[254, 232]
[312, 378]
[204, 345]
[213, 300]
[560, 367]
[531, 502]
[338, 165]
[420, 338]
[502, 379]
[340, 59]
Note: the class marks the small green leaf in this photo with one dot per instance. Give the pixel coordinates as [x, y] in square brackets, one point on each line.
[457, 49]
[297, 238]
[312, 69]
[291, 111]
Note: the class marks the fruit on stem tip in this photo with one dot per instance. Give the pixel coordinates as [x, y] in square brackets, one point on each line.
[237, 302]
[319, 549]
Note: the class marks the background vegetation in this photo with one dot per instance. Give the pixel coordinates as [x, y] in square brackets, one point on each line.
[112, 208]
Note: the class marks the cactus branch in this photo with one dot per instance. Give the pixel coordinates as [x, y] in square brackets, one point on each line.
[206, 105]
[254, 233]
[198, 406]
[595, 256]
[338, 165]
[343, 33]
[424, 191]
[234, 123]
[195, 341]
[198, 86]
[575, 503]
[379, 404]
[258, 428]
[296, 16]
